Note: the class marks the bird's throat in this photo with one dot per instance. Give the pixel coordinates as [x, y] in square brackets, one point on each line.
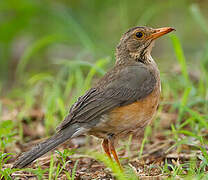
[123, 55]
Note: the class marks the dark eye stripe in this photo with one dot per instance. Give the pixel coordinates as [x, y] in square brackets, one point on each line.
[139, 34]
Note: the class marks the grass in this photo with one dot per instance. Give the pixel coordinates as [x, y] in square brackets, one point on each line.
[51, 83]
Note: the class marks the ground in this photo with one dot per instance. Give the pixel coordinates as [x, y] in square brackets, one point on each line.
[83, 158]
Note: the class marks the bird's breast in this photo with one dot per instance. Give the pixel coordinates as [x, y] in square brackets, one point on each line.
[135, 115]
[129, 118]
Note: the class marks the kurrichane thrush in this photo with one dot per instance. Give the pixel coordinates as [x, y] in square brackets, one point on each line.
[122, 102]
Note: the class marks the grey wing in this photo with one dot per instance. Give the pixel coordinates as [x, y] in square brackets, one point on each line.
[131, 84]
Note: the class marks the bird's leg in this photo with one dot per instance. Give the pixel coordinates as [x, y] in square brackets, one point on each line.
[113, 151]
[106, 148]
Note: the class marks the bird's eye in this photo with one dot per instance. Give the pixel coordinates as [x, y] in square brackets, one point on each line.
[139, 34]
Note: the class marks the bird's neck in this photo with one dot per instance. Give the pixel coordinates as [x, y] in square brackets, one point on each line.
[123, 56]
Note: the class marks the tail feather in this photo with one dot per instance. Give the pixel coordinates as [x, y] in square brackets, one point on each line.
[49, 144]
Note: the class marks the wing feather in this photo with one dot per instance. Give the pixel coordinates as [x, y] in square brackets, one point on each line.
[129, 85]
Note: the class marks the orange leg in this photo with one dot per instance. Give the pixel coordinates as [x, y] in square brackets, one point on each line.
[113, 151]
[106, 148]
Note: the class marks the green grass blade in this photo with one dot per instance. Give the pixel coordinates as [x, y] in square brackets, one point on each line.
[180, 57]
[199, 18]
[184, 102]
[76, 63]
[74, 170]
[98, 65]
[72, 25]
[51, 169]
[34, 48]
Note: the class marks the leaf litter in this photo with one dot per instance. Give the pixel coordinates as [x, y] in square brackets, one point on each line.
[159, 152]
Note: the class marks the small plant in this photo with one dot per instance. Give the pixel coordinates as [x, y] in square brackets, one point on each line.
[6, 134]
[63, 157]
[5, 172]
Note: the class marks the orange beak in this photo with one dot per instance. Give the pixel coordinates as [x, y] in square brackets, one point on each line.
[160, 32]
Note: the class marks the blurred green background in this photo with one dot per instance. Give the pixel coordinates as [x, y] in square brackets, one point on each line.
[51, 51]
[36, 34]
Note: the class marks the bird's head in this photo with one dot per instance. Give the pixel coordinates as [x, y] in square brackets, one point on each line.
[137, 42]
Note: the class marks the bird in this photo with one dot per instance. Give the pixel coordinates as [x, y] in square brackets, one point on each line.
[122, 102]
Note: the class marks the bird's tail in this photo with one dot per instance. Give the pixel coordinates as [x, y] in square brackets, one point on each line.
[49, 144]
